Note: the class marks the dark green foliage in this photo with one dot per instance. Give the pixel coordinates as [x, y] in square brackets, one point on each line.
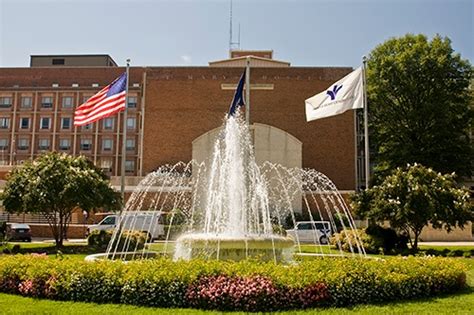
[246, 285]
[411, 198]
[3, 231]
[54, 185]
[389, 240]
[341, 221]
[291, 218]
[448, 252]
[99, 240]
[419, 104]
[15, 249]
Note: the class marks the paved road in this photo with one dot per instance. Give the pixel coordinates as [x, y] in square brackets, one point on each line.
[468, 243]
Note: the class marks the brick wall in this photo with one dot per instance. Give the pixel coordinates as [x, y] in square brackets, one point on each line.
[184, 103]
[43, 230]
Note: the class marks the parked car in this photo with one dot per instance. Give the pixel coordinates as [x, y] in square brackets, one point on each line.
[145, 221]
[311, 231]
[19, 232]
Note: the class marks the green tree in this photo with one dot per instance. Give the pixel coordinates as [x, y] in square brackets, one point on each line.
[412, 197]
[419, 104]
[54, 185]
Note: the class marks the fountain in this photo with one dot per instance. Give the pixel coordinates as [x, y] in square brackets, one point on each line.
[231, 208]
[237, 217]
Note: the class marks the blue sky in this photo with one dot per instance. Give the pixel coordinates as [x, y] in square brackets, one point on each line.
[193, 32]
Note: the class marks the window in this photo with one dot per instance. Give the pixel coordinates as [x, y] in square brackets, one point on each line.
[23, 144]
[5, 102]
[131, 123]
[106, 163]
[304, 226]
[108, 221]
[68, 102]
[45, 123]
[132, 102]
[87, 127]
[4, 122]
[107, 145]
[130, 145]
[86, 144]
[24, 123]
[58, 61]
[129, 166]
[46, 102]
[3, 144]
[108, 123]
[43, 144]
[26, 102]
[64, 144]
[65, 123]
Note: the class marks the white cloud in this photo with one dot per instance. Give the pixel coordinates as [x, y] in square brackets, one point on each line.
[186, 59]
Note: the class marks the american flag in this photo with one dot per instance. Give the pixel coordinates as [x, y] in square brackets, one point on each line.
[107, 102]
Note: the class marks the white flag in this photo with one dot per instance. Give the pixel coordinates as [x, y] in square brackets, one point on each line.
[343, 95]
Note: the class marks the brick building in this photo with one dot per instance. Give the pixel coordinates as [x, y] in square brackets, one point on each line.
[174, 113]
[168, 109]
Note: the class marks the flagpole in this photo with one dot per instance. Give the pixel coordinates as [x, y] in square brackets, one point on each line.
[124, 139]
[366, 124]
[247, 91]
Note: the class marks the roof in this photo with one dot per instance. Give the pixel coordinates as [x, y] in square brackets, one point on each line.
[74, 55]
[260, 61]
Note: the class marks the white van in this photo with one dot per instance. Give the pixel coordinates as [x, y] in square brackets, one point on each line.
[149, 222]
[311, 231]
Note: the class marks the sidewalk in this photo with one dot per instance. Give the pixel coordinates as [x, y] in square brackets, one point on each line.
[50, 240]
[466, 243]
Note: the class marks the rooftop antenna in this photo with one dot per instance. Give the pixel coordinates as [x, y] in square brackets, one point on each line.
[232, 44]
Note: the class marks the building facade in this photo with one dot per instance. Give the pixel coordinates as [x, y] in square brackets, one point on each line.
[169, 108]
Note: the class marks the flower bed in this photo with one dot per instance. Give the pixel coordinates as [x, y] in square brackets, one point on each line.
[246, 285]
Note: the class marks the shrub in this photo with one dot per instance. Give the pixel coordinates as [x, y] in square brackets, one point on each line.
[375, 239]
[347, 239]
[387, 238]
[15, 249]
[245, 286]
[340, 220]
[132, 240]
[3, 230]
[432, 252]
[222, 292]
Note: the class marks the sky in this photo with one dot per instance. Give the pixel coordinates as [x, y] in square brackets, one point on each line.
[194, 32]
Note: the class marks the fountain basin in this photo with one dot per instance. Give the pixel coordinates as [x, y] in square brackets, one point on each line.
[263, 247]
[125, 256]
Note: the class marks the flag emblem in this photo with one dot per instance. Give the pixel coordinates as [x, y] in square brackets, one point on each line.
[238, 99]
[107, 102]
[334, 91]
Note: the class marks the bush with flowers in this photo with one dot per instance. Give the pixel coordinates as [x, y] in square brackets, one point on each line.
[245, 286]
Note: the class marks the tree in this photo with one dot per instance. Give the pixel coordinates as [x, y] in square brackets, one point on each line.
[412, 197]
[54, 185]
[419, 105]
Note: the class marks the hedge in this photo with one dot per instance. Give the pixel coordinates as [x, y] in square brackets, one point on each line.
[245, 286]
[133, 240]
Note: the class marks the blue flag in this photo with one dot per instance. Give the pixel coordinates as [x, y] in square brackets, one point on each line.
[238, 99]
